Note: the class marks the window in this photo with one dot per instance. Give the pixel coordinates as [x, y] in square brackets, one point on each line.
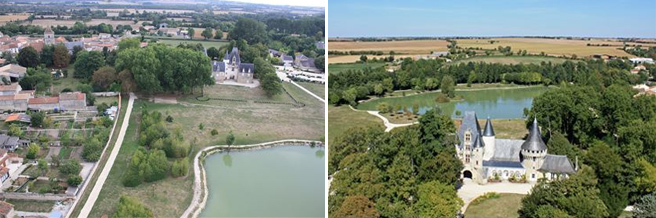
[533, 176]
[534, 159]
[467, 158]
[476, 162]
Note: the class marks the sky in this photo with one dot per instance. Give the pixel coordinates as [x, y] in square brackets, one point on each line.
[312, 3]
[434, 18]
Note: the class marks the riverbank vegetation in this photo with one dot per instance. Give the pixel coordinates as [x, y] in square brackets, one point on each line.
[407, 172]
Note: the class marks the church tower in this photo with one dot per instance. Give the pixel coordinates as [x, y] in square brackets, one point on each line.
[533, 151]
[49, 36]
[488, 140]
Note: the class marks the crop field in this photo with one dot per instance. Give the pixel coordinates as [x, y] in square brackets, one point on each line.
[132, 10]
[399, 47]
[512, 59]
[337, 59]
[550, 46]
[198, 31]
[12, 17]
[70, 23]
[338, 68]
[206, 44]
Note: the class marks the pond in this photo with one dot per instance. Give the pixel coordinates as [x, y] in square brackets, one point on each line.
[496, 103]
[285, 181]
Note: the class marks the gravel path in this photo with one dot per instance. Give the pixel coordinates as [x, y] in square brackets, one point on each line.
[110, 162]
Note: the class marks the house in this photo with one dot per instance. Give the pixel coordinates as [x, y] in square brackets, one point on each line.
[43, 103]
[641, 60]
[6, 210]
[170, 31]
[18, 117]
[320, 45]
[104, 36]
[71, 46]
[10, 89]
[287, 60]
[13, 72]
[72, 101]
[49, 36]
[9, 143]
[274, 53]
[233, 69]
[305, 63]
[485, 157]
[638, 68]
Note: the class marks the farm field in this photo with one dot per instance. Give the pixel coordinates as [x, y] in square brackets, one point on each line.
[506, 205]
[70, 23]
[250, 123]
[342, 118]
[512, 59]
[399, 47]
[338, 68]
[206, 44]
[132, 10]
[12, 17]
[198, 31]
[337, 59]
[550, 46]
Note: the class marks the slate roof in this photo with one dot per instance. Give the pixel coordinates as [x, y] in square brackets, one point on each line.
[489, 131]
[469, 122]
[218, 66]
[308, 62]
[505, 164]
[246, 68]
[534, 141]
[234, 53]
[274, 52]
[557, 164]
[71, 45]
[287, 58]
[507, 150]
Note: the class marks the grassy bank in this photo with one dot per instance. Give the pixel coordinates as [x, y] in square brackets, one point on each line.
[506, 205]
[342, 118]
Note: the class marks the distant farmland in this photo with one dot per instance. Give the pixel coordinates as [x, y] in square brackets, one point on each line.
[70, 23]
[402, 47]
[336, 59]
[556, 47]
[12, 17]
[512, 59]
[206, 44]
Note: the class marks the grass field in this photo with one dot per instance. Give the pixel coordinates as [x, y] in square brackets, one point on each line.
[70, 23]
[12, 17]
[342, 118]
[316, 88]
[250, 123]
[206, 44]
[399, 47]
[337, 59]
[65, 152]
[550, 46]
[512, 59]
[506, 205]
[32, 206]
[67, 82]
[338, 68]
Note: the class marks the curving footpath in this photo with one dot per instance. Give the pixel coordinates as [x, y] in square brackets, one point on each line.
[312, 94]
[200, 185]
[388, 125]
[86, 209]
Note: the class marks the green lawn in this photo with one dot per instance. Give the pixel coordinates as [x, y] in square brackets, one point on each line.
[342, 118]
[338, 68]
[31, 205]
[65, 152]
[67, 82]
[206, 44]
[506, 205]
[107, 100]
[316, 88]
[250, 122]
[512, 59]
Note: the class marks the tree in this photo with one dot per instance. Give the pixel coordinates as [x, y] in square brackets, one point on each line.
[437, 200]
[214, 132]
[319, 62]
[15, 130]
[28, 57]
[129, 207]
[191, 32]
[37, 119]
[32, 151]
[87, 63]
[208, 33]
[127, 82]
[213, 53]
[645, 207]
[230, 139]
[363, 58]
[271, 84]
[252, 31]
[128, 43]
[357, 206]
[448, 86]
[74, 180]
[61, 57]
[383, 108]
[180, 167]
[104, 77]
[47, 54]
[43, 165]
[70, 167]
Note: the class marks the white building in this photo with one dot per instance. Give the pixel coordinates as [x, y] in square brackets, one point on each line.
[642, 60]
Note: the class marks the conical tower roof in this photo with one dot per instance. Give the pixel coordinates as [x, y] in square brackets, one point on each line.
[489, 131]
[534, 141]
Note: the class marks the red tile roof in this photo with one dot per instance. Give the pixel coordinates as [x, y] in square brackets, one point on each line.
[5, 208]
[43, 100]
[72, 96]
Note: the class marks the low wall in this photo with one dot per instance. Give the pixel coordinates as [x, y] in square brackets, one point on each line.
[35, 196]
[105, 94]
[200, 181]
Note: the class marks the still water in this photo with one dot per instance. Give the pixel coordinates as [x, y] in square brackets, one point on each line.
[496, 103]
[285, 181]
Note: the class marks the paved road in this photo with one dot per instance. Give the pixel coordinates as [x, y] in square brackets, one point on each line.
[110, 162]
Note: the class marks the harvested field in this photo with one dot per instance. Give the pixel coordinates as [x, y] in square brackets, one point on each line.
[551, 46]
[403, 47]
[12, 17]
[512, 59]
[132, 10]
[70, 23]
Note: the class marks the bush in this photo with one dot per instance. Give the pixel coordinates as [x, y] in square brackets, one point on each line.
[129, 207]
[169, 119]
[442, 98]
[180, 167]
[92, 150]
[70, 167]
[214, 132]
[74, 180]
[32, 151]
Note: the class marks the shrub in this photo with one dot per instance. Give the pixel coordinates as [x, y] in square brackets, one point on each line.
[74, 180]
[169, 119]
[214, 132]
[129, 207]
[180, 167]
[70, 167]
[32, 151]
[441, 98]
